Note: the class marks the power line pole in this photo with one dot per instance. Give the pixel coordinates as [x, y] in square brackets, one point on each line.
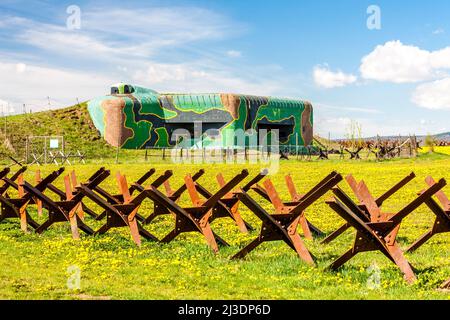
[48, 98]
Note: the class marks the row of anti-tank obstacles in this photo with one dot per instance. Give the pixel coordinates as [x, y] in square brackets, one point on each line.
[376, 230]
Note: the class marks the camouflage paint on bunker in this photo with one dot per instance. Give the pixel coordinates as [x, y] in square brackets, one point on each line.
[133, 117]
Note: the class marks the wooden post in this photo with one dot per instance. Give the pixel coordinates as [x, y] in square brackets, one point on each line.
[415, 145]
[410, 146]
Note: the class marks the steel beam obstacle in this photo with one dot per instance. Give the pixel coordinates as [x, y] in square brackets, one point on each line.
[377, 232]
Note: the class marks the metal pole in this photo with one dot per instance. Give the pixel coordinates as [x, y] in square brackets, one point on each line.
[45, 150]
[27, 150]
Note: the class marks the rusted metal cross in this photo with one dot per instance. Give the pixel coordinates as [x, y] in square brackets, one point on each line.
[378, 231]
[173, 195]
[16, 208]
[66, 210]
[228, 205]
[446, 284]
[118, 199]
[123, 212]
[309, 230]
[283, 223]
[354, 185]
[442, 221]
[196, 218]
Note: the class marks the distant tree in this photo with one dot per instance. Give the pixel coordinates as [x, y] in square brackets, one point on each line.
[430, 142]
[354, 134]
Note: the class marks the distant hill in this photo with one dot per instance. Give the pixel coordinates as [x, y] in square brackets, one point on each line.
[443, 136]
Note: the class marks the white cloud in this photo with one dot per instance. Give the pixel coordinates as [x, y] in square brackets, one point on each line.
[59, 40]
[122, 69]
[158, 73]
[201, 77]
[325, 78]
[6, 107]
[33, 86]
[434, 95]
[399, 63]
[138, 45]
[171, 24]
[128, 43]
[21, 67]
[3, 103]
[370, 127]
[352, 109]
[234, 54]
[62, 86]
[113, 34]
[438, 31]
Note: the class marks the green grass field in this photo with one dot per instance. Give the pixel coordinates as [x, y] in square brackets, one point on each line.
[112, 267]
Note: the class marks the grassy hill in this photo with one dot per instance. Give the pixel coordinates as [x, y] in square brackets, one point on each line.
[74, 123]
[443, 136]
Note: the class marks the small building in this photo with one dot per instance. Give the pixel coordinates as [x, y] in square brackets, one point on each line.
[133, 117]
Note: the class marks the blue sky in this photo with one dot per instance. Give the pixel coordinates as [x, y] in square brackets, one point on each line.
[392, 80]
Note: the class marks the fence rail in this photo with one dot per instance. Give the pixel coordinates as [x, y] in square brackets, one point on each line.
[300, 152]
